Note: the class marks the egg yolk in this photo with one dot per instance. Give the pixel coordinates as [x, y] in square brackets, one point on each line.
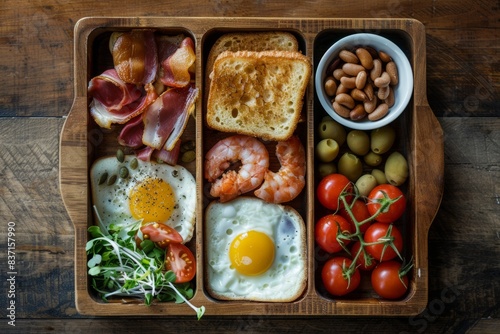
[252, 253]
[152, 200]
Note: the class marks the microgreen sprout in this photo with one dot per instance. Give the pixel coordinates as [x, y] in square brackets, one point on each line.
[121, 269]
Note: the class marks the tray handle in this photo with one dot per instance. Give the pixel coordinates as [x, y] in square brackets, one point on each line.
[73, 163]
[429, 165]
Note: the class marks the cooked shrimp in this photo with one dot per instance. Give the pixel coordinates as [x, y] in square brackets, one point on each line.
[254, 163]
[288, 182]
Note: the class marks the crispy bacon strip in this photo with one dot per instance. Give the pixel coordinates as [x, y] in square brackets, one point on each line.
[176, 62]
[166, 118]
[131, 134]
[135, 56]
[111, 91]
[104, 116]
[170, 157]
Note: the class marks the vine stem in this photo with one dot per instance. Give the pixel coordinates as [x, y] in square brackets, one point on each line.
[387, 241]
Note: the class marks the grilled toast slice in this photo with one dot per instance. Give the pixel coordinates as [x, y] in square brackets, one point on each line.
[249, 41]
[258, 93]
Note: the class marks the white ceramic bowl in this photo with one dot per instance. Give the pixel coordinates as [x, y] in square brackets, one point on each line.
[402, 91]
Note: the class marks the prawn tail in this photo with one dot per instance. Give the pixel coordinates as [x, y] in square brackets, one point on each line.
[226, 188]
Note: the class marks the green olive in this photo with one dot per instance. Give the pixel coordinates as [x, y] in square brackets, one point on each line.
[188, 156]
[365, 184]
[379, 176]
[326, 168]
[350, 166]
[382, 139]
[358, 142]
[372, 159]
[333, 130]
[327, 150]
[396, 169]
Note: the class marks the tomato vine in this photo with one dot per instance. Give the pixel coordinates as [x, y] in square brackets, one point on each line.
[375, 237]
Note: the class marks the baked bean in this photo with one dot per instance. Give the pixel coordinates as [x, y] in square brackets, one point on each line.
[345, 99]
[330, 86]
[352, 69]
[361, 82]
[348, 82]
[379, 112]
[348, 57]
[365, 58]
[340, 109]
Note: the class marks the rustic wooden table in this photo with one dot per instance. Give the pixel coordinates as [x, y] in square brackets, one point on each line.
[36, 62]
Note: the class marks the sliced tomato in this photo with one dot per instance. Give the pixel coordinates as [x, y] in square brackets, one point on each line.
[160, 233]
[181, 261]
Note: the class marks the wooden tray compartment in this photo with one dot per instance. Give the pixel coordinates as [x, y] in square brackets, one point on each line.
[402, 125]
[82, 142]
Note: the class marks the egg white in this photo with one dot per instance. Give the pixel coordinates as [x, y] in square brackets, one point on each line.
[284, 280]
[112, 201]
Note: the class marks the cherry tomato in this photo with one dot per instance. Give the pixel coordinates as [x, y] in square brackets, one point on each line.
[181, 261]
[339, 279]
[159, 233]
[330, 188]
[365, 261]
[391, 198]
[388, 281]
[379, 232]
[326, 230]
[360, 212]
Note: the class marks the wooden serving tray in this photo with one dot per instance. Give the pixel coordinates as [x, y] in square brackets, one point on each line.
[420, 134]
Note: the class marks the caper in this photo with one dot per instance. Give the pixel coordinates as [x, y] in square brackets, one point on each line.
[372, 159]
[379, 176]
[365, 184]
[358, 142]
[328, 128]
[382, 139]
[350, 166]
[396, 169]
[123, 172]
[327, 150]
[134, 163]
[102, 178]
[112, 180]
[188, 156]
[326, 168]
[120, 155]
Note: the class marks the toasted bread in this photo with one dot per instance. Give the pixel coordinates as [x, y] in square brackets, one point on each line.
[251, 41]
[258, 93]
[285, 280]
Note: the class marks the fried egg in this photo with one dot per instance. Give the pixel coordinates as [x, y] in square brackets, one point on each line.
[151, 192]
[254, 251]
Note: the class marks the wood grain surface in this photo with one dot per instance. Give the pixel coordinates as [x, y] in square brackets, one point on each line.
[36, 62]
